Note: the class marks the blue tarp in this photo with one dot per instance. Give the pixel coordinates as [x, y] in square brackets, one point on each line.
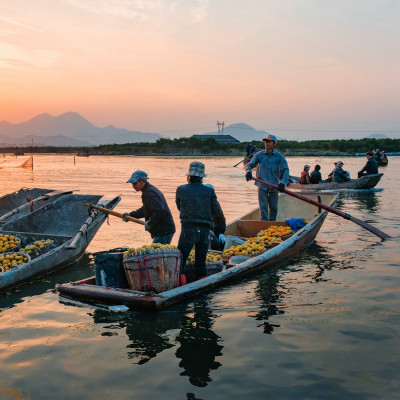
[296, 223]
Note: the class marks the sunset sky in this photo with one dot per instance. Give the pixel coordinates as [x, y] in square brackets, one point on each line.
[296, 68]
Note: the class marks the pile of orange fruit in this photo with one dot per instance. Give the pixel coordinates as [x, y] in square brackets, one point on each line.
[12, 260]
[149, 247]
[264, 239]
[8, 242]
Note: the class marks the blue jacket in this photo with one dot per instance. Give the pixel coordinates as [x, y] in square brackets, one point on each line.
[271, 168]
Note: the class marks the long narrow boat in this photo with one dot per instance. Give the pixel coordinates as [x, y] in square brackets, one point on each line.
[18, 204]
[66, 223]
[365, 182]
[247, 226]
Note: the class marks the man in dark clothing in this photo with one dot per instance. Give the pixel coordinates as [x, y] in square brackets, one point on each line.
[371, 167]
[339, 175]
[315, 176]
[200, 211]
[155, 210]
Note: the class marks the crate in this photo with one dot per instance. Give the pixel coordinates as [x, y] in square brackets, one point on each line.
[109, 268]
[155, 270]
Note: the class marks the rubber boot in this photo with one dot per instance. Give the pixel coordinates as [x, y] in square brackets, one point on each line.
[182, 280]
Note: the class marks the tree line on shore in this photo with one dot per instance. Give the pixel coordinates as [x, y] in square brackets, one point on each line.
[195, 146]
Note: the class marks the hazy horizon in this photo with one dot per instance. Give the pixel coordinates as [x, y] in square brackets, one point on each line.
[301, 70]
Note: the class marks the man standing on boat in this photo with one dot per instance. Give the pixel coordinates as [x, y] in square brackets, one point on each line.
[158, 218]
[200, 211]
[371, 167]
[273, 168]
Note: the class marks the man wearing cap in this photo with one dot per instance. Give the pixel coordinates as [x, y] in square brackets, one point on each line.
[305, 176]
[273, 168]
[371, 167]
[158, 218]
[200, 211]
[339, 175]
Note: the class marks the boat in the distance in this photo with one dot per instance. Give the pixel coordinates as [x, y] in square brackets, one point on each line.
[64, 224]
[365, 182]
[247, 226]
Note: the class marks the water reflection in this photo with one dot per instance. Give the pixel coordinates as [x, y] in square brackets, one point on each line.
[269, 296]
[147, 333]
[78, 270]
[365, 200]
[150, 334]
[200, 345]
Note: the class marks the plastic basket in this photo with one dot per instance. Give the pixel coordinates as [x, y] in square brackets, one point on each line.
[109, 269]
[154, 270]
[233, 240]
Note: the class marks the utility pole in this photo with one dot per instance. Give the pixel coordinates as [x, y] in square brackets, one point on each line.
[220, 126]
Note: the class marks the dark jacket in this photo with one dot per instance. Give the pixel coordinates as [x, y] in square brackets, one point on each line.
[370, 168]
[315, 177]
[198, 205]
[155, 211]
[339, 175]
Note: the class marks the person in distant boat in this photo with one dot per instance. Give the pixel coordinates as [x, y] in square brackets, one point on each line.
[305, 176]
[371, 167]
[330, 176]
[200, 212]
[248, 149]
[158, 218]
[273, 168]
[315, 176]
[339, 175]
[377, 155]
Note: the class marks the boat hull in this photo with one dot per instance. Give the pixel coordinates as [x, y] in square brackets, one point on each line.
[60, 231]
[365, 182]
[87, 290]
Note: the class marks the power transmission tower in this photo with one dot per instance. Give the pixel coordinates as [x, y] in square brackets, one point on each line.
[220, 127]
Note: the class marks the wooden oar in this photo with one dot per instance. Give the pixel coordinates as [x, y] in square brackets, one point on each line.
[371, 228]
[239, 163]
[116, 214]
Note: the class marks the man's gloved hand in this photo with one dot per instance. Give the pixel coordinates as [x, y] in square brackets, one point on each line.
[124, 216]
[222, 238]
[249, 176]
[281, 187]
[146, 226]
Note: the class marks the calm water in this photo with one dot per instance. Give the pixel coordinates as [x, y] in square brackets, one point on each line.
[322, 325]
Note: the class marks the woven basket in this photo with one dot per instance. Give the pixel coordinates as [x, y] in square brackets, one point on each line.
[153, 271]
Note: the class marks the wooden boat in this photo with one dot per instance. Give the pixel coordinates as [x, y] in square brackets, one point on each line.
[247, 226]
[18, 204]
[382, 162]
[64, 221]
[365, 182]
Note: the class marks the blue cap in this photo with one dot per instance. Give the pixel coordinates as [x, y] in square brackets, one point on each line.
[271, 137]
[137, 176]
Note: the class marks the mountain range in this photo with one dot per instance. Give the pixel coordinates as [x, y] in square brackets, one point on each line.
[72, 130]
[244, 133]
[68, 129]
